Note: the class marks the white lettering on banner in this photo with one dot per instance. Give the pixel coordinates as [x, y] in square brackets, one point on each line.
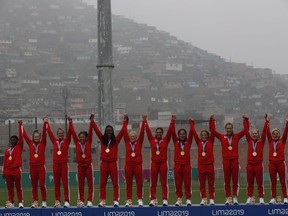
[119, 213]
[15, 214]
[173, 213]
[67, 214]
[278, 211]
[228, 212]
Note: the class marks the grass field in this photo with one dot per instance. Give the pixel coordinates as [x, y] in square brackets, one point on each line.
[219, 194]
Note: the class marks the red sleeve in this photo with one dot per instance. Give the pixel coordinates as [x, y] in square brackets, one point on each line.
[213, 130]
[168, 133]
[125, 134]
[26, 137]
[246, 128]
[97, 130]
[90, 132]
[20, 135]
[149, 133]
[50, 133]
[173, 131]
[4, 164]
[120, 133]
[74, 135]
[264, 132]
[284, 136]
[44, 135]
[194, 133]
[269, 136]
[190, 136]
[68, 136]
[141, 134]
[211, 126]
[242, 132]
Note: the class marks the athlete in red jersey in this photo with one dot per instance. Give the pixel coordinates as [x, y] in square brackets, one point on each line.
[159, 165]
[133, 162]
[254, 168]
[109, 154]
[182, 162]
[229, 142]
[12, 168]
[205, 144]
[37, 162]
[60, 164]
[277, 163]
[83, 145]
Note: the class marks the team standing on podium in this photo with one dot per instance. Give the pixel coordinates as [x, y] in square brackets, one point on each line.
[133, 143]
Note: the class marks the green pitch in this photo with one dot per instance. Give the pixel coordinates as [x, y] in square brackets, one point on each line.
[219, 194]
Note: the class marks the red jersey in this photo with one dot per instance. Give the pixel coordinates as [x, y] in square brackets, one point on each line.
[181, 148]
[60, 147]
[205, 149]
[110, 155]
[83, 151]
[160, 145]
[13, 156]
[37, 150]
[255, 147]
[277, 146]
[134, 150]
[229, 143]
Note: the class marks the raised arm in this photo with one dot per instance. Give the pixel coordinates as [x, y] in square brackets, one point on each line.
[120, 133]
[242, 132]
[20, 134]
[193, 130]
[125, 130]
[142, 129]
[68, 135]
[50, 133]
[149, 133]
[90, 130]
[73, 133]
[213, 128]
[190, 136]
[264, 130]
[173, 129]
[284, 136]
[246, 125]
[26, 137]
[97, 130]
[44, 129]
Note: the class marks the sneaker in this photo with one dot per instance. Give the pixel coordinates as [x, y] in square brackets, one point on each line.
[212, 202]
[128, 203]
[202, 202]
[249, 201]
[44, 204]
[80, 204]
[261, 201]
[285, 200]
[21, 205]
[102, 203]
[57, 204]
[165, 202]
[272, 201]
[235, 201]
[89, 204]
[66, 204]
[9, 205]
[34, 204]
[140, 202]
[188, 202]
[228, 201]
[179, 202]
[152, 203]
[116, 204]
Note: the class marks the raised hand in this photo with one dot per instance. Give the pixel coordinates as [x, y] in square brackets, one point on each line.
[173, 117]
[20, 122]
[45, 118]
[144, 117]
[92, 116]
[69, 118]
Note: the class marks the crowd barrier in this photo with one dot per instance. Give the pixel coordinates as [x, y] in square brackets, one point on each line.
[217, 210]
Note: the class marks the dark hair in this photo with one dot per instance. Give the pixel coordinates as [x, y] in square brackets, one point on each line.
[83, 132]
[160, 128]
[15, 137]
[104, 138]
[182, 129]
[59, 129]
[205, 131]
[229, 123]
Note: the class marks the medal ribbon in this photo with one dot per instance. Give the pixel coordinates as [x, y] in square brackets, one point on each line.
[107, 147]
[36, 148]
[11, 151]
[182, 145]
[275, 145]
[230, 141]
[254, 145]
[158, 144]
[59, 144]
[133, 146]
[82, 147]
[204, 146]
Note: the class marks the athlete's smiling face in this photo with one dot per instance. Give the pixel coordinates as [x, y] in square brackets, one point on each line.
[255, 134]
[204, 135]
[158, 133]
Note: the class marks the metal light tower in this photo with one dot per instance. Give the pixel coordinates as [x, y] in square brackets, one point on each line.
[105, 64]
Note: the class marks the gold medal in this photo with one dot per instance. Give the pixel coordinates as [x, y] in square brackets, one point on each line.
[274, 154]
[133, 154]
[254, 154]
[35, 155]
[10, 157]
[203, 154]
[59, 152]
[182, 153]
[83, 156]
[157, 152]
[230, 148]
[107, 150]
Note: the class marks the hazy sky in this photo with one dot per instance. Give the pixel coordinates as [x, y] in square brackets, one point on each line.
[250, 31]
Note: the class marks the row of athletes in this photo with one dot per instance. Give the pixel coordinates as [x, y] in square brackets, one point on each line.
[133, 167]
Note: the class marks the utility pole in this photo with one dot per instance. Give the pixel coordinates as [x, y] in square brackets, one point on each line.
[105, 64]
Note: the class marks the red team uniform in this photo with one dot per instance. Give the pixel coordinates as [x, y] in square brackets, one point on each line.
[230, 162]
[108, 157]
[85, 168]
[182, 165]
[12, 169]
[159, 165]
[133, 164]
[206, 163]
[277, 163]
[254, 168]
[60, 165]
[37, 166]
